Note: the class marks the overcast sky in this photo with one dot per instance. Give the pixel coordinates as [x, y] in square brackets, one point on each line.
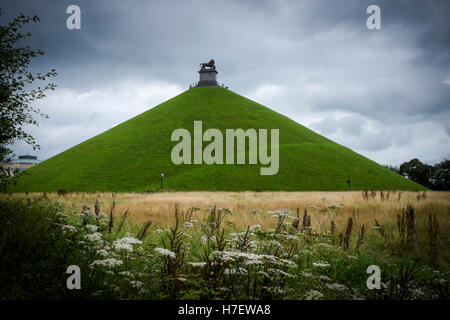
[383, 93]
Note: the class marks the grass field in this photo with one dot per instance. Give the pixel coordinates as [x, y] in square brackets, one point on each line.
[229, 245]
[159, 206]
[132, 155]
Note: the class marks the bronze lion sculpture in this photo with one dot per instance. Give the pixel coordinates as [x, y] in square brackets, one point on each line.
[209, 64]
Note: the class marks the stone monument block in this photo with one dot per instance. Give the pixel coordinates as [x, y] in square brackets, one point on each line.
[208, 78]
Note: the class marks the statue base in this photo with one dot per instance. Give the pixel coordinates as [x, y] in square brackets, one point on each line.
[208, 78]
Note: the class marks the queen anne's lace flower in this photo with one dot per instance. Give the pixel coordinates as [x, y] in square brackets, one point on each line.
[123, 247]
[282, 213]
[188, 224]
[239, 270]
[68, 227]
[197, 264]
[166, 252]
[126, 274]
[336, 286]
[110, 263]
[91, 228]
[93, 237]
[281, 272]
[103, 253]
[313, 295]
[321, 264]
[126, 244]
[136, 284]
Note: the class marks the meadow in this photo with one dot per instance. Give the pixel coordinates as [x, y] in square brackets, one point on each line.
[226, 245]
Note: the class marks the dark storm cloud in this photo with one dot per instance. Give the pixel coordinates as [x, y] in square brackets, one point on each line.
[314, 61]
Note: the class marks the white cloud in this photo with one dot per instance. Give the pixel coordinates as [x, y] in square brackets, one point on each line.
[77, 116]
[383, 93]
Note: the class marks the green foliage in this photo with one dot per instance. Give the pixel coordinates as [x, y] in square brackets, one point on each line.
[16, 92]
[436, 177]
[417, 171]
[33, 252]
[193, 259]
[132, 155]
[441, 175]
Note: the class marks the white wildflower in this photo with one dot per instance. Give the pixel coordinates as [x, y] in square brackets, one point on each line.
[126, 274]
[68, 227]
[123, 247]
[188, 224]
[282, 213]
[136, 284]
[323, 278]
[103, 253]
[275, 243]
[223, 289]
[336, 286]
[93, 237]
[253, 262]
[307, 274]
[321, 264]
[197, 264]
[239, 270]
[281, 272]
[110, 263]
[91, 228]
[126, 244]
[166, 252]
[290, 237]
[313, 295]
[288, 263]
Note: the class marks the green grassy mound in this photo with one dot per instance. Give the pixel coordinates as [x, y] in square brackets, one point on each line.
[132, 155]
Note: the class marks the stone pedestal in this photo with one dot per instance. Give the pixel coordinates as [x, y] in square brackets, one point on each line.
[208, 78]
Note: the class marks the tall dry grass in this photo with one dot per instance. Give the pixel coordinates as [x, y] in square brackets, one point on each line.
[159, 207]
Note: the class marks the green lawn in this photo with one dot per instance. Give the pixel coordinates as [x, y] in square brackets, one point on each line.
[132, 155]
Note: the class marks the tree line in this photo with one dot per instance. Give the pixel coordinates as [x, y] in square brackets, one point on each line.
[434, 177]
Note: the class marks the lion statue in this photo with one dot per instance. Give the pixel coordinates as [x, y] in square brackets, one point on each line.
[209, 64]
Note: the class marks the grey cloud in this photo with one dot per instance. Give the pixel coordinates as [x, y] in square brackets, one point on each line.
[314, 61]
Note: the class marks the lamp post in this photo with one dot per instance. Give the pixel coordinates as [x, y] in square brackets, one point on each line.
[349, 181]
[162, 177]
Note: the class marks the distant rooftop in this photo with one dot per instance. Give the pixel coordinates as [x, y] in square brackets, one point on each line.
[27, 158]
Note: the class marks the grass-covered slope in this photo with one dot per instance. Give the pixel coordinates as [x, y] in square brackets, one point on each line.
[132, 155]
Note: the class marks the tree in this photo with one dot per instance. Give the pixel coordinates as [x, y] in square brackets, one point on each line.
[418, 172]
[441, 175]
[392, 168]
[16, 91]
